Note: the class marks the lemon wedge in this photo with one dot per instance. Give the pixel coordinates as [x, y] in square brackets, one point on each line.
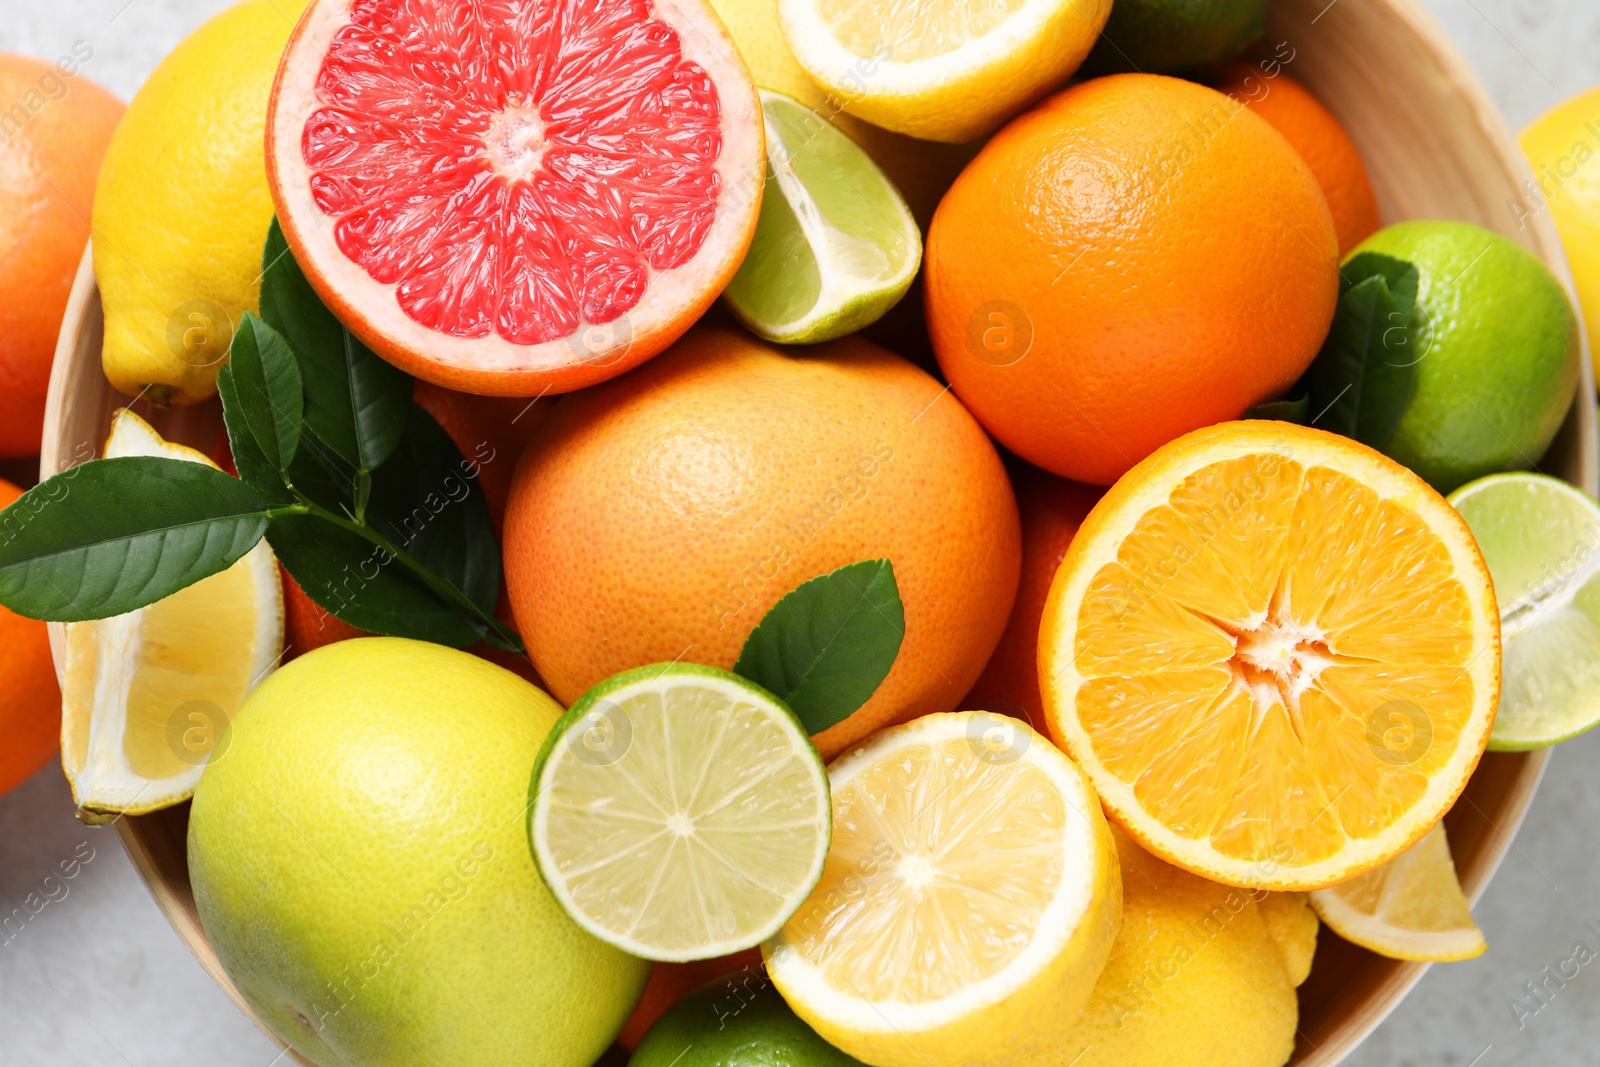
[1411, 908]
[941, 70]
[969, 900]
[147, 695]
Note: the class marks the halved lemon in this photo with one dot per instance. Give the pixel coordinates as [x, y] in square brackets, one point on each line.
[1276, 652]
[969, 901]
[941, 70]
[1411, 908]
[145, 696]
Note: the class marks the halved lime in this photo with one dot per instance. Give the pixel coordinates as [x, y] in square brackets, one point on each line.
[835, 246]
[1541, 540]
[679, 812]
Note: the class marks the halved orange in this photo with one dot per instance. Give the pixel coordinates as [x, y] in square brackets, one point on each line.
[1276, 653]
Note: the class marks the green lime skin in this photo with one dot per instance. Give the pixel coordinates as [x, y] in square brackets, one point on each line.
[1168, 36]
[1496, 348]
[739, 1020]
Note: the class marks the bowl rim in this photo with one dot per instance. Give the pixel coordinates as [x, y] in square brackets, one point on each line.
[71, 371]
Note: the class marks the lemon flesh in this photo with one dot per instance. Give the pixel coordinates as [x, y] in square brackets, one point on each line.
[941, 70]
[680, 812]
[146, 695]
[835, 246]
[1541, 540]
[1411, 908]
[969, 901]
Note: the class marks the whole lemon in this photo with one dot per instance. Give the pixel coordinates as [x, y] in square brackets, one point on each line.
[359, 861]
[1201, 974]
[181, 209]
[1563, 145]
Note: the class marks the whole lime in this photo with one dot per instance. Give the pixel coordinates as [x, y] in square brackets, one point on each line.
[1168, 36]
[739, 1020]
[1496, 350]
[360, 866]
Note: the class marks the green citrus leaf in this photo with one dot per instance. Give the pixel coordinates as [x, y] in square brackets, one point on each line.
[253, 466]
[829, 643]
[355, 402]
[427, 500]
[113, 535]
[266, 381]
[1363, 378]
[364, 584]
[1296, 411]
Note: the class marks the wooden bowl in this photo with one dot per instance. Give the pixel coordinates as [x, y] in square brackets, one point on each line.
[1436, 148]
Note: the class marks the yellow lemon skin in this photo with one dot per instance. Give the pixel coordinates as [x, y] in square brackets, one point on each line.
[360, 863]
[1563, 145]
[921, 170]
[1197, 977]
[181, 207]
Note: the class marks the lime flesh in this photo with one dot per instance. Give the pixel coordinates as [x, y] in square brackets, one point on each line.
[680, 812]
[835, 246]
[1541, 540]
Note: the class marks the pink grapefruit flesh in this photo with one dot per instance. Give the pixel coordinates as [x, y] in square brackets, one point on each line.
[515, 197]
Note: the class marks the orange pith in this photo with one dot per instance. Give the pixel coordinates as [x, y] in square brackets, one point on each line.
[1279, 662]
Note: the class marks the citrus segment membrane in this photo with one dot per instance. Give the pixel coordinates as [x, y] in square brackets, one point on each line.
[680, 812]
[517, 168]
[1281, 662]
[970, 883]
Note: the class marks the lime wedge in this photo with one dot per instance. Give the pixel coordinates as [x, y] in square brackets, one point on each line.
[1541, 540]
[835, 246]
[680, 812]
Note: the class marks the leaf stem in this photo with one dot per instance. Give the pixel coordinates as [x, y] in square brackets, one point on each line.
[496, 631]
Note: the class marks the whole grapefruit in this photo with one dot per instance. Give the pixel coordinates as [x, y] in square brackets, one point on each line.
[659, 516]
[54, 135]
[1137, 257]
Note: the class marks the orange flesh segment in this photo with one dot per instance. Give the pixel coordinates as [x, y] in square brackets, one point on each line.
[1308, 637]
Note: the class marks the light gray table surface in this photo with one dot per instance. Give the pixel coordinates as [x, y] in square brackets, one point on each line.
[97, 978]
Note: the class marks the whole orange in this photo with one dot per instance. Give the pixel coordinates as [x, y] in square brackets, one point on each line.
[1052, 509]
[660, 515]
[1136, 257]
[1317, 136]
[53, 128]
[30, 698]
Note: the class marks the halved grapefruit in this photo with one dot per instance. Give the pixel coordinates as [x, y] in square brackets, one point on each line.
[515, 196]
